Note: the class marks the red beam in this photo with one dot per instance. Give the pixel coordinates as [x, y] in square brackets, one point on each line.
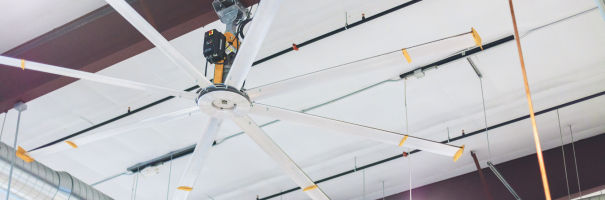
[93, 45]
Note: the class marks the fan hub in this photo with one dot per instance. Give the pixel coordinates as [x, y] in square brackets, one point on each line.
[222, 100]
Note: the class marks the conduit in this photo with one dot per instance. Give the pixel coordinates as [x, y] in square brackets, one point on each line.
[35, 181]
[531, 107]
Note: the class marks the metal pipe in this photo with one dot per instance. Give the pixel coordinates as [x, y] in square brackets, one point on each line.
[531, 107]
[501, 178]
[20, 107]
[35, 181]
[482, 176]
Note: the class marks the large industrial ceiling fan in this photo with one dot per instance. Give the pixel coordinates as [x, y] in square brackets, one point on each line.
[228, 101]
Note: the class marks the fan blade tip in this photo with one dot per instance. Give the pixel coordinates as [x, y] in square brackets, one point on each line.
[185, 188]
[310, 188]
[458, 153]
[71, 144]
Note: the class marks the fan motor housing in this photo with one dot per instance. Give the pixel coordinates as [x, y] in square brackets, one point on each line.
[214, 46]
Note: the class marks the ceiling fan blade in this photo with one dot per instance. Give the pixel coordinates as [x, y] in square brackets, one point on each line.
[422, 54]
[251, 45]
[30, 65]
[133, 17]
[376, 134]
[283, 160]
[84, 140]
[196, 160]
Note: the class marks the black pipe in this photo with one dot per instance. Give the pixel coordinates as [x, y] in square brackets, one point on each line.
[328, 34]
[255, 63]
[462, 54]
[111, 120]
[445, 141]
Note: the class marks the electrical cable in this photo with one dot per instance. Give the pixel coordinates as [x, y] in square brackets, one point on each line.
[563, 152]
[489, 149]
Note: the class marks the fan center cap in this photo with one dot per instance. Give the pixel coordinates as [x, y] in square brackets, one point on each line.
[222, 100]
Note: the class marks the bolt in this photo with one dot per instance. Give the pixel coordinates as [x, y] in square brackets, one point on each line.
[224, 101]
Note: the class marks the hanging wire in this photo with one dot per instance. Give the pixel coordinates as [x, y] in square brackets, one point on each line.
[382, 190]
[135, 185]
[489, 148]
[563, 152]
[169, 176]
[3, 122]
[405, 102]
[363, 172]
[573, 148]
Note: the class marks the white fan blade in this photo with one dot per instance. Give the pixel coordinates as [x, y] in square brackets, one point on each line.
[84, 140]
[251, 45]
[380, 135]
[423, 54]
[30, 65]
[133, 17]
[283, 160]
[196, 160]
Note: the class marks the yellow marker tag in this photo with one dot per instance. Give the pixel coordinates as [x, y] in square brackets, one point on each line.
[403, 140]
[22, 64]
[185, 188]
[406, 55]
[310, 188]
[21, 153]
[72, 144]
[477, 38]
[458, 153]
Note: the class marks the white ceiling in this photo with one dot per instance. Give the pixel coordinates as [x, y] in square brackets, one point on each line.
[22, 21]
[564, 63]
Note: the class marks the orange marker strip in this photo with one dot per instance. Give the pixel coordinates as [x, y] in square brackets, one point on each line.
[185, 188]
[403, 140]
[72, 144]
[477, 38]
[22, 64]
[310, 188]
[406, 55]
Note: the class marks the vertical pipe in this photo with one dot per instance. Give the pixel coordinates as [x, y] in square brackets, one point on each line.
[20, 107]
[482, 176]
[531, 107]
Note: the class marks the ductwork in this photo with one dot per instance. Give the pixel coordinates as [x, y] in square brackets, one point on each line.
[33, 180]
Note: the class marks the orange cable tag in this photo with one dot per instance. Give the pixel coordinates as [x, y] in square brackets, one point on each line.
[22, 64]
